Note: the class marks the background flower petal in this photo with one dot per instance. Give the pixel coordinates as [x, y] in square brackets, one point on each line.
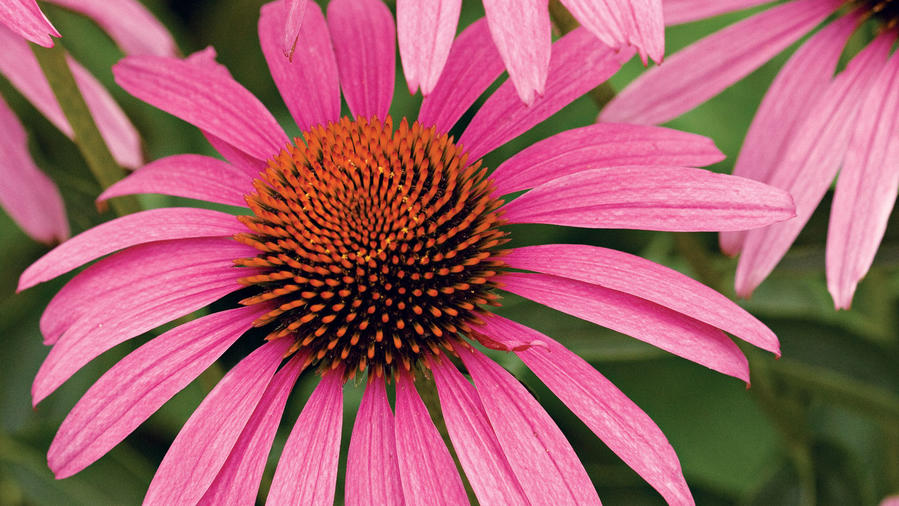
[425, 31]
[522, 33]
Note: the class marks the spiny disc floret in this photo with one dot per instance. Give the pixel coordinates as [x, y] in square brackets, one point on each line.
[376, 247]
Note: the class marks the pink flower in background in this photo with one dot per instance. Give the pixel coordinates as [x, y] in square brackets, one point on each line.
[809, 125]
[521, 32]
[28, 199]
[27, 20]
[376, 247]
[26, 193]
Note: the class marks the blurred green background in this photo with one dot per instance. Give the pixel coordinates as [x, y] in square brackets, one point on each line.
[820, 425]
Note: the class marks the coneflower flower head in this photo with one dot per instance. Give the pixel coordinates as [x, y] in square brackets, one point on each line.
[373, 247]
[809, 125]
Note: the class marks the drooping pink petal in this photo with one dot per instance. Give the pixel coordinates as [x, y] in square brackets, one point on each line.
[683, 11]
[130, 230]
[811, 161]
[522, 33]
[129, 23]
[208, 100]
[636, 317]
[139, 385]
[308, 79]
[618, 23]
[251, 165]
[364, 40]
[26, 193]
[428, 472]
[111, 278]
[425, 31]
[191, 176]
[296, 14]
[126, 311]
[206, 440]
[25, 18]
[705, 68]
[789, 98]
[601, 145]
[652, 198]
[867, 187]
[238, 481]
[547, 468]
[479, 452]
[307, 470]
[645, 279]
[372, 474]
[578, 64]
[472, 65]
[614, 418]
[20, 66]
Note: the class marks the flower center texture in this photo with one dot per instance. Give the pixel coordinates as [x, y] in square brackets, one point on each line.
[885, 11]
[376, 247]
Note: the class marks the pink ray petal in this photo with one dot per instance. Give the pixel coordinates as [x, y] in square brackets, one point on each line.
[479, 452]
[705, 68]
[308, 79]
[647, 280]
[124, 312]
[428, 472]
[204, 443]
[425, 31]
[472, 65]
[139, 385]
[601, 145]
[789, 98]
[114, 277]
[251, 165]
[372, 474]
[614, 418]
[307, 470]
[25, 18]
[652, 198]
[620, 22]
[296, 15]
[191, 176]
[811, 161]
[238, 481]
[578, 64]
[684, 11]
[20, 66]
[364, 38]
[27, 194]
[639, 318]
[208, 100]
[522, 33]
[130, 230]
[547, 468]
[133, 28]
[867, 187]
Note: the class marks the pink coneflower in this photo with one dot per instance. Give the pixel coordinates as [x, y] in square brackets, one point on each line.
[809, 124]
[521, 32]
[374, 248]
[28, 196]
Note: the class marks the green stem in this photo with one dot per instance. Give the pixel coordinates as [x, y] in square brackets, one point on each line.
[565, 22]
[55, 66]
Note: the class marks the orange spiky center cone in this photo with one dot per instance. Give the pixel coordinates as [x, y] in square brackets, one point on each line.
[377, 247]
